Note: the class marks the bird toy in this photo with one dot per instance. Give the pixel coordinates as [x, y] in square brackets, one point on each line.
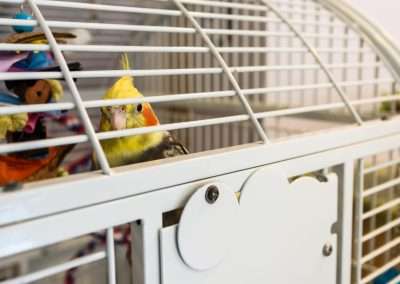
[35, 164]
[23, 15]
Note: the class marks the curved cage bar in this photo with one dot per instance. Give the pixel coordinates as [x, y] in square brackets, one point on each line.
[221, 76]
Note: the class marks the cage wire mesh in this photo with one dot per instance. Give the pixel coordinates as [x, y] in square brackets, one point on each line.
[377, 209]
[286, 87]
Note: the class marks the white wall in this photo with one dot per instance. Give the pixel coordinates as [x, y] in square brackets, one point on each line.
[386, 13]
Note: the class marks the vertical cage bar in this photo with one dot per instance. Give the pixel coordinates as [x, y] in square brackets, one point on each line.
[146, 250]
[165, 63]
[314, 53]
[267, 75]
[303, 78]
[182, 57]
[374, 201]
[192, 81]
[390, 196]
[216, 78]
[217, 130]
[225, 67]
[345, 221]
[249, 41]
[112, 279]
[201, 59]
[207, 24]
[262, 76]
[393, 105]
[360, 73]
[345, 56]
[317, 44]
[376, 94]
[278, 62]
[257, 58]
[358, 223]
[73, 88]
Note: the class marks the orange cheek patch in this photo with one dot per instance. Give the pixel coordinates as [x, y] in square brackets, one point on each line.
[150, 117]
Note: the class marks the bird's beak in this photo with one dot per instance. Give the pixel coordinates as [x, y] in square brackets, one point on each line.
[118, 120]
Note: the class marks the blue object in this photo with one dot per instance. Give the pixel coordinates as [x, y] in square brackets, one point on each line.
[22, 15]
[9, 98]
[387, 276]
[35, 60]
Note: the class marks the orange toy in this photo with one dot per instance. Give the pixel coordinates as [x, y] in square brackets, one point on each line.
[15, 169]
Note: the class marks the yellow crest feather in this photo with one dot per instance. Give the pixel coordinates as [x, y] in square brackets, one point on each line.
[124, 87]
[124, 61]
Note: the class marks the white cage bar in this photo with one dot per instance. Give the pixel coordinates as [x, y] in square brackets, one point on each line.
[295, 74]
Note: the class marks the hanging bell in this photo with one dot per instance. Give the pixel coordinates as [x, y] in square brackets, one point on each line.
[23, 15]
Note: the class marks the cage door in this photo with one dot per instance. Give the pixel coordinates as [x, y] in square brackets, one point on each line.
[282, 233]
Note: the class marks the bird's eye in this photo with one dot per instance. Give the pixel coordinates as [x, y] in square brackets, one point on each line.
[139, 108]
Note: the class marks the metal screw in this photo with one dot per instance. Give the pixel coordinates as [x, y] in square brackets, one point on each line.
[327, 250]
[212, 194]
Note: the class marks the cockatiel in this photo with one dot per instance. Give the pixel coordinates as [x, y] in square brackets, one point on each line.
[138, 148]
[133, 149]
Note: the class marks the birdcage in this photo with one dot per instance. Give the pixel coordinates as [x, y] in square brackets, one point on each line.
[293, 103]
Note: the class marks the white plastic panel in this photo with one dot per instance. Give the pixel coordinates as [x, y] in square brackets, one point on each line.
[282, 229]
[212, 209]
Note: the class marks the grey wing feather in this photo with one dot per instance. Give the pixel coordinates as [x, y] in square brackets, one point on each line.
[168, 148]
